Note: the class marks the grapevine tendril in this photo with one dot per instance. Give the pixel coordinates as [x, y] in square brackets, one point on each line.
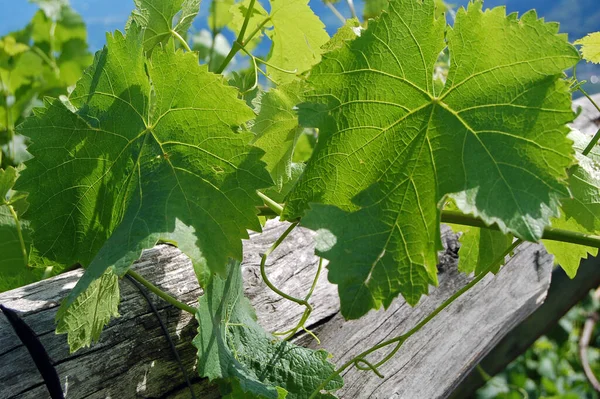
[303, 302]
[399, 340]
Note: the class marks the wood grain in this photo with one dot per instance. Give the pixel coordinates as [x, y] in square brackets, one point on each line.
[132, 359]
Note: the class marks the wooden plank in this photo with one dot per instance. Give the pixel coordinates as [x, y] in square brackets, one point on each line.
[433, 361]
[132, 359]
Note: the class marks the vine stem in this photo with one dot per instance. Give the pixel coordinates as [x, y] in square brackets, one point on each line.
[10, 128]
[550, 233]
[237, 45]
[168, 298]
[399, 340]
[454, 217]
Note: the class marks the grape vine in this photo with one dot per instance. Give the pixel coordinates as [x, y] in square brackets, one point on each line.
[371, 138]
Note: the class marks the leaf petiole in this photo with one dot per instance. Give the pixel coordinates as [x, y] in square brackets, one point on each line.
[352, 9]
[255, 31]
[50, 61]
[335, 12]
[592, 143]
[273, 205]
[267, 64]
[181, 40]
[214, 32]
[160, 293]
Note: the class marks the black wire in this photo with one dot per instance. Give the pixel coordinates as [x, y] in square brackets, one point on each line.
[165, 332]
[37, 352]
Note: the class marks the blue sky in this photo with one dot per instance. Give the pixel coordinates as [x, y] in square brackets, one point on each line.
[577, 18]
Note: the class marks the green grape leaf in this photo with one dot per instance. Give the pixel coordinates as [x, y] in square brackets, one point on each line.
[305, 146]
[157, 17]
[20, 70]
[441, 7]
[62, 38]
[297, 36]
[590, 47]
[278, 194]
[259, 16]
[231, 345]
[568, 256]
[480, 248]
[391, 147]
[220, 15]
[15, 240]
[581, 213]
[349, 31]
[91, 311]
[10, 47]
[246, 81]
[277, 129]
[373, 8]
[52, 8]
[55, 60]
[232, 389]
[145, 151]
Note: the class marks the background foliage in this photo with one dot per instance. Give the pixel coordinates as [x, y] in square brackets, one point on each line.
[551, 368]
